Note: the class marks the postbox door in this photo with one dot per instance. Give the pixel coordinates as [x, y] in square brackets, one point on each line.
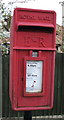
[28, 90]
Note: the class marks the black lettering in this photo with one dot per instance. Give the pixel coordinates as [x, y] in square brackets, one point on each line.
[32, 65]
[34, 75]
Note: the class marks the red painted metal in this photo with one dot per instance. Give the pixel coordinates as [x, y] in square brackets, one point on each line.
[32, 30]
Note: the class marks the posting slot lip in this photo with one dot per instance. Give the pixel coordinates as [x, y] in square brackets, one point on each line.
[33, 24]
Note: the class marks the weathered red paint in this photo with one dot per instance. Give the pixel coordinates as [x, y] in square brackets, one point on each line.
[32, 30]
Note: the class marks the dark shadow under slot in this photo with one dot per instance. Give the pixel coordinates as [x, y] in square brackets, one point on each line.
[35, 28]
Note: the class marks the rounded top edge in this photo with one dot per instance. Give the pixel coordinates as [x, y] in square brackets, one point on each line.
[34, 10]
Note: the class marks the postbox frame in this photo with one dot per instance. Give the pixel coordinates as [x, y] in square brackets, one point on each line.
[14, 60]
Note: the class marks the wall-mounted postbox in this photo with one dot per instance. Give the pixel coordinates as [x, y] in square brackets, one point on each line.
[32, 59]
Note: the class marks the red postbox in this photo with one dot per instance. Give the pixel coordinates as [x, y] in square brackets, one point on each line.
[32, 59]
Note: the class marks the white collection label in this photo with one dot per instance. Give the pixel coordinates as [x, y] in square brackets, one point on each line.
[34, 76]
